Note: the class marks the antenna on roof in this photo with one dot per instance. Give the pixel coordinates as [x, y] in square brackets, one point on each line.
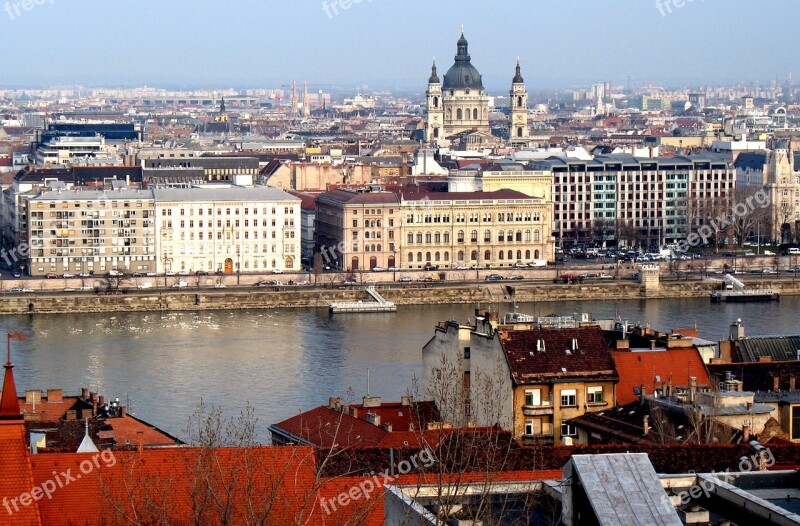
[367, 381]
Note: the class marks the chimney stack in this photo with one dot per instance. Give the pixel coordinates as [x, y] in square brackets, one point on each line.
[692, 389]
[55, 396]
[641, 393]
[646, 425]
[405, 400]
[334, 402]
[354, 412]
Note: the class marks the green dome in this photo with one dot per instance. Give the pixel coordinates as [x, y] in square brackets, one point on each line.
[462, 74]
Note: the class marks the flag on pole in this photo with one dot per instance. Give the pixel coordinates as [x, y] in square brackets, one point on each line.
[16, 336]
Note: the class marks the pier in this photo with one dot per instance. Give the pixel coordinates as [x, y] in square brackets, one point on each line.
[379, 305]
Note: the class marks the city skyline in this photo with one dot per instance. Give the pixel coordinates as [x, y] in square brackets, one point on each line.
[352, 43]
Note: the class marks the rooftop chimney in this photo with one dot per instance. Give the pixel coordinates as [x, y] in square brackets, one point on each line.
[642, 393]
[406, 400]
[645, 425]
[692, 389]
[55, 396]
[374, 418]
[737, 330]
[354, 412]
[371, 401]
[33, 396]
[334, 402]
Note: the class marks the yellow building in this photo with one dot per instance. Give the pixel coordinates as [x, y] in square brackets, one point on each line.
[451, 230]
[530, 381]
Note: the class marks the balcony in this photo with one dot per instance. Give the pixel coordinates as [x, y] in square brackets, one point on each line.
[545, 408]
[539, 439]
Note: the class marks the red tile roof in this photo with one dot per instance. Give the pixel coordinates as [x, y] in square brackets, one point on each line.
[324, 427]
[591, 359]
[279, 482]
[16, 478]
[641, 367]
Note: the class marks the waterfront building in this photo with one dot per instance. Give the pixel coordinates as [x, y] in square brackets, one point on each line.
[357, 230]
[227, 228]
[634, 200]
[82, 231]
[465, 229]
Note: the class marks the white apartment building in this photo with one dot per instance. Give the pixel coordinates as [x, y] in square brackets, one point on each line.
[227, 228]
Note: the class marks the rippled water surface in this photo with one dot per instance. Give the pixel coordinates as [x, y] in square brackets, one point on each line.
[287, 360]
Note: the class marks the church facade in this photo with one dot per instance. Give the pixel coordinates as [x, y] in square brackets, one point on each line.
[458, 105]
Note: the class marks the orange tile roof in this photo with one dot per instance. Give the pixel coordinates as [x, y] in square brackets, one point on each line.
[279, 482]
[16, 478]
[125, 430]
[641, 367]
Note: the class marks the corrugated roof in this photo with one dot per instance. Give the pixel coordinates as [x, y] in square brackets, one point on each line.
[779, 348]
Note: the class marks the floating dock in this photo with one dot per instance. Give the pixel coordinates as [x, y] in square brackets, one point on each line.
[379, 305]
[744, 296]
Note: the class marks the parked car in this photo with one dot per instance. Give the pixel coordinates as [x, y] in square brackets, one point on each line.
[520, 264]
[183, 273]
[179, 285]
[201, 273]
[767, 270]
[515, 277]
[51, 275]
[145, 285]
[85, 275]
[605, 276]
[462, 267]
[405, 279]
[136, 274]
[277, 271]
[392, 269]
[493, 277]
[378, 269]
[429, 267]
[349, 282]
[148, 274]
[16, 273]
[67, 275]
[370, 281]
[114, 273]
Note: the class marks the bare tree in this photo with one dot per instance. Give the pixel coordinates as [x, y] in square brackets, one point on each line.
[318, 267]
[745, 218]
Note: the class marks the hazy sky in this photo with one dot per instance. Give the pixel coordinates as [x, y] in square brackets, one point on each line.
[390, 43]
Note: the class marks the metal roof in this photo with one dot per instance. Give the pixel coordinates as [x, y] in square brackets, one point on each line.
[779, 348]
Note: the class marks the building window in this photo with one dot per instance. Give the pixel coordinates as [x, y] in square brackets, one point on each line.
[529, 427]
[568, 398]
[568, 430]
[533, 397]
[796, 423]
[594, 395]
[466, 353]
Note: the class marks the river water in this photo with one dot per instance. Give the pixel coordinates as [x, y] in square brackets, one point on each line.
[284, 361]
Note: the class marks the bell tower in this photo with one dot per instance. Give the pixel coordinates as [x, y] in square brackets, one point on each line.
[434, 125]
[518, 125]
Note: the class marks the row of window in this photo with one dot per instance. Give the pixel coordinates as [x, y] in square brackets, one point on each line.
[487, 256]
[444, 237]
[569, 397]
[166, 212]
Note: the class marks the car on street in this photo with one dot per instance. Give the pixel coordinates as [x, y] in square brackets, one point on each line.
[605, 276]
[67, 275]
[519, 264]
[277, 271]
[393, 269]
[515, 277]
[183, 273]
[494, 277]
[429, 267]
[144, 285]
[405, 279]
[462, 267]
[201, 273]
[51, 275]
[378, 269]
[180, 285]
[16, 274]
[149, 274]
[85, 275]
[136, 274]
[370, 281]
[349, 282]
[114, 273]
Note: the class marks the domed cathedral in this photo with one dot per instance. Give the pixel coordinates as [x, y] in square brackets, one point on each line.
[459, 103]
[458, 107]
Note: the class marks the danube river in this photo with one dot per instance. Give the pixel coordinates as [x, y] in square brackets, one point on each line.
[289, 360]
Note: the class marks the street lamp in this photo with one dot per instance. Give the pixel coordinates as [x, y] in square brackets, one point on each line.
[238, 264]
[394, 265]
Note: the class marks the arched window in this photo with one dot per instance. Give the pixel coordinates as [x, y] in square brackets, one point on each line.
[474, 255]
[535, 254]
[487, 236]
[527, 254]
[460, 236]
[437, 237]
[410, 238]
[459, 114]
[447, 237]
[510, 254]
[519, 131]
[427, 237]
[519, 235]
[519, 101]
[487, 255]
[519, 255]
[366, 235]
[475, 114]
[419, 237]
[461, 255]
[510, 236]
[436, 256]
[528, 236]
[428, 257]
[474, 236]
[419, 256]
[410, 257]
[447, 256]
[501, 255]
[366, 248]
[436, 102]
[536, 235]
[436, 133]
